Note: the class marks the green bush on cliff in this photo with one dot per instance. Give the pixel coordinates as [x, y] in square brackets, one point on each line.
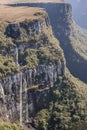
[9, 126]
[7, 66]
[44, 49]
[4, 41]
[30, 58]
[43, 123]
[49, 55]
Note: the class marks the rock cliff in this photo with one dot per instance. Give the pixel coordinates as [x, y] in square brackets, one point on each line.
[72, 38]
[34, 68]
[35, 86]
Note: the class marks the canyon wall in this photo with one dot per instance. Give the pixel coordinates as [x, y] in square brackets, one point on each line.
[21, 92]
[36, 88]
[69, 34]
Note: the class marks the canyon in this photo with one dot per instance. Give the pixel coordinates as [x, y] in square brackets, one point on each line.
[36, 87]
[72, 38]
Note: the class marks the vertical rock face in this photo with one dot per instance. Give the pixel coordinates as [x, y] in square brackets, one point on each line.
[41, 82]
[10, 88]
[60, 15]
[32, 28]
[21, 92]
[69, 36]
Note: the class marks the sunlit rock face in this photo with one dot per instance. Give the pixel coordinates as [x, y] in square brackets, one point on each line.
[10, 88]
[21, 92]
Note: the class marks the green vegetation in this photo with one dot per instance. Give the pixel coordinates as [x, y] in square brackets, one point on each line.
[7, 66]
[9, 126]
[7, 63]
[66, 105]
[43, 49]
[79, 42]
[48, 54]
[4, 41]
[28, 59]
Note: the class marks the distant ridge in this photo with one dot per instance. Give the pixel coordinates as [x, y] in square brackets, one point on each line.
[30, 1]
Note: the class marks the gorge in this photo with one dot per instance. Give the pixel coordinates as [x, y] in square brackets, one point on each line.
[72, 38]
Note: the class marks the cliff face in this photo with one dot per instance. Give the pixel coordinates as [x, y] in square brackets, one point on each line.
[35, 85]
[22, 89]
[72, 38]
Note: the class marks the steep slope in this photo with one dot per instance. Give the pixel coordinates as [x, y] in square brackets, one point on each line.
[66, 105]
[30, 58]
[73, 39]
[35, 86]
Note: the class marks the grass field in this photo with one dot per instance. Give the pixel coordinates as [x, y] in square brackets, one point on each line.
[14, 14]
